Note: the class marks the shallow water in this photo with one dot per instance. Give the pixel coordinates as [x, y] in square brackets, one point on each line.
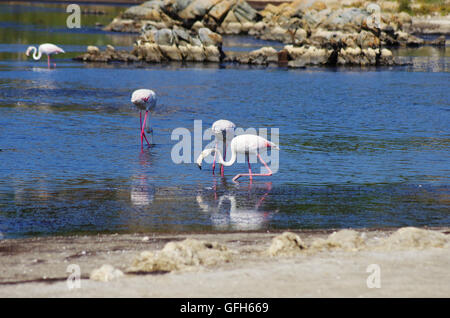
[359, 148]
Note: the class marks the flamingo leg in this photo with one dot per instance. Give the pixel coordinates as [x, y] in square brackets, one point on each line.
[255, 174]
[224, 153]
[214, 161]
[48, 61]
[142, 129]
[249, 168]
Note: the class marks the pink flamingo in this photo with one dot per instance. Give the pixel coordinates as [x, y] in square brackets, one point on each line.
[144, 99]
[246, 144]
[46, 48]
[221, 128]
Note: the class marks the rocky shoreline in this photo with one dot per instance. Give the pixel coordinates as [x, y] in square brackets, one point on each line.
[313, 34]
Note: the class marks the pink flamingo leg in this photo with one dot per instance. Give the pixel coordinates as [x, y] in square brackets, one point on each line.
[142, 131]
[142, 128]
[48, 61]
[249, 169]
[255, 174]
[224, 156]
[214, 161]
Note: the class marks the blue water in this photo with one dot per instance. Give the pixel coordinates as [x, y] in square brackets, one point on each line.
[359, 148]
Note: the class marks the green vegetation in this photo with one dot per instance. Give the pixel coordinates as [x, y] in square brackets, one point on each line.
[424, 7]
[404, 6]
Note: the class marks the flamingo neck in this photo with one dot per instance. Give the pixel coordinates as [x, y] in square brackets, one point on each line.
[220, 158]
[36, 54]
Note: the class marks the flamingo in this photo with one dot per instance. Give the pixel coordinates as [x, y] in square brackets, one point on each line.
[46, 48]
[220, 129]
[247, 144]
[144, 99]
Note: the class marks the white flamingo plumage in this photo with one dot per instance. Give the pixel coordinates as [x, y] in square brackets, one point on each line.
[144, 99]
[245, 144]
[222, 129]
[46, 48]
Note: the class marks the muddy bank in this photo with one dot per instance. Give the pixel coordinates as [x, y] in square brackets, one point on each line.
[412, 262]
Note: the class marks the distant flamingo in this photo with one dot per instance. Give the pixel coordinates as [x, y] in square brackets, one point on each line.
[144, 99]
[221, 128]
[46, 48]
[246, 144]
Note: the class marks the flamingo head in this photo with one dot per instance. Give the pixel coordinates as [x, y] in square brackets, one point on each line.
[272, 145]
[200, 158]
[144, 98]
[29, 49]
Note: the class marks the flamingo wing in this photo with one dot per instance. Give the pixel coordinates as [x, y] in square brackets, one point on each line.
[48, 48]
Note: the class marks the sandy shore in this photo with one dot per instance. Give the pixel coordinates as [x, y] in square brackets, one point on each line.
[38, 268]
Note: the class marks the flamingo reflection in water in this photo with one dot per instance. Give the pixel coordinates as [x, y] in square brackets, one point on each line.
[238, 216]
[142, 192]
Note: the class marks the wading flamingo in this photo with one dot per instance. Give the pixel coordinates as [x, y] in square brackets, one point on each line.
[46, 48]
[246, 144]
[144, 99]
[221, 128]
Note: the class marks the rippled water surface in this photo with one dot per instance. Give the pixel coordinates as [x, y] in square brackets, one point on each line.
[359, 148]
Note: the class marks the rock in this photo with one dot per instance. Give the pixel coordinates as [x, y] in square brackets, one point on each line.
[245, 11]
[212, 54]
[349, 56]
[220, 9]
[370, 56]
[346, 19]
[197, 26]
[414, 41]
[247, 26]
[386, 57]
[207, 37]
[263, 56]
[154, 4]
[404, 18]
[164, 37]
[439, 41]
[367, 39]
[414, 238]
[277, 33]
[287, 243]
[105, 273]
[307, 55]
[91, 49]
[232, 28]
[401, 36]
[171, 52]
[175, 6]
[178, 256]
[348, 240]
[230, 18]
[257, 29]
[182, 37]
[152, 53]
[197, 9]
[193, 53]
[318, 6]
[300, 37]
[138, 12]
